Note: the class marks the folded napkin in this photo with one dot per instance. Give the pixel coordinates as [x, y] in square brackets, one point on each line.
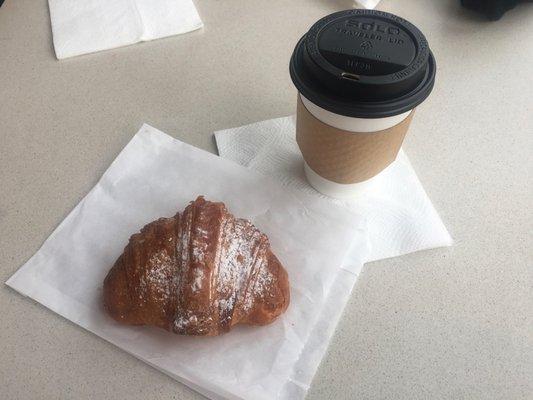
[85, 26]
[321, 245]
[371, 4]
[400, 218]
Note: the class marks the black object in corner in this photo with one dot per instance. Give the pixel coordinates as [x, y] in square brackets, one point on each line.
[493, 9]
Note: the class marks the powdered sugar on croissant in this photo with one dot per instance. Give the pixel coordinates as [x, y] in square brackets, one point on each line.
[198, 273]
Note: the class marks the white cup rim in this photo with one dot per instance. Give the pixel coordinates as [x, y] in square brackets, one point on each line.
[352, 124]
[337, 190]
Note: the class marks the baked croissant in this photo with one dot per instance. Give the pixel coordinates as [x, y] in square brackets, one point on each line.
[198, 273]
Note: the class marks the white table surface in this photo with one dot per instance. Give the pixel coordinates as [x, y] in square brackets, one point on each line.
[453, 323]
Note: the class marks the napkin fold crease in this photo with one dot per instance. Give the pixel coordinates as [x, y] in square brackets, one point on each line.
[82, 27]
[400, 217]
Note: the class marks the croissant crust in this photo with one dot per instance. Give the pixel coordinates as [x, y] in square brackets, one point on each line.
[198, 273]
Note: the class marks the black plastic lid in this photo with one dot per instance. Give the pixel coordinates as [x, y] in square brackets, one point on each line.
[364, 63]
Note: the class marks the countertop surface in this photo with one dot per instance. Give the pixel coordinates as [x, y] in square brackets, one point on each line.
[452, 323]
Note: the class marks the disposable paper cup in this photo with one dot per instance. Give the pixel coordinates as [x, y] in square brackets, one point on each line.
[360, 74]
[349, 152]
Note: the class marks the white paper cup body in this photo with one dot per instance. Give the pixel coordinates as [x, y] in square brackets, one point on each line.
[348, 124]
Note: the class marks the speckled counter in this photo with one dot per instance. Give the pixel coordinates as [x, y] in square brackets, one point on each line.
[452, 323]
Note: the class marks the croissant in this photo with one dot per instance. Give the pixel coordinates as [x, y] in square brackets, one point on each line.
[198, 273]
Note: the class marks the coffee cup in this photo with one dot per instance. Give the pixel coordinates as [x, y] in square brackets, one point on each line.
[360, 75]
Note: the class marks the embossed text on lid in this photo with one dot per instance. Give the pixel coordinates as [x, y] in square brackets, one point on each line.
[364, 63]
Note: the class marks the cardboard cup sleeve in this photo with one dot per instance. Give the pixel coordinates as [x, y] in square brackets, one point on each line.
[343, 156]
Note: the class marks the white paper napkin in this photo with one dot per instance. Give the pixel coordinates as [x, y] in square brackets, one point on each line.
[86, 26]
[371, 4]
[400, 217]
[156, 175]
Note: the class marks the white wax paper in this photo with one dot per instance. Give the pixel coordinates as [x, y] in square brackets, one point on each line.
[156, 175]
